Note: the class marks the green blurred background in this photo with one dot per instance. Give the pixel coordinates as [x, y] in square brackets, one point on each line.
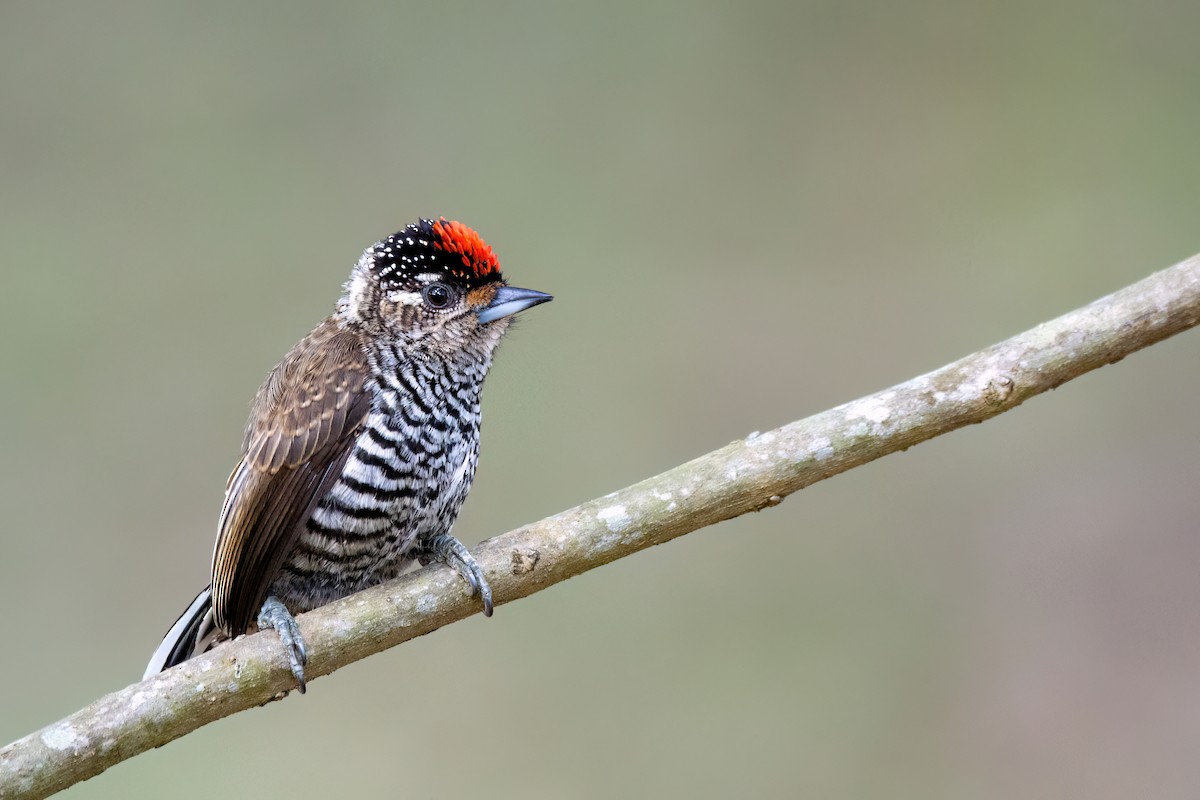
[748, 213]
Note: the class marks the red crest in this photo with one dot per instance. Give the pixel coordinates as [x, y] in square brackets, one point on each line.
[477, 255]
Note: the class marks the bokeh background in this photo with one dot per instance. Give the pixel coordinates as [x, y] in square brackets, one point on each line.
[748, 212]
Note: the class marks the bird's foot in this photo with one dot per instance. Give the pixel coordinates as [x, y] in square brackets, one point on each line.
[446, 549]
[275, 615]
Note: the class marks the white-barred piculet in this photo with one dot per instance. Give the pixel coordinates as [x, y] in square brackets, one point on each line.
[361, 444]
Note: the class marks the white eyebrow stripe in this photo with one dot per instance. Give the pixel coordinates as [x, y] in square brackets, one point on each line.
[405, 298]
[429, 277]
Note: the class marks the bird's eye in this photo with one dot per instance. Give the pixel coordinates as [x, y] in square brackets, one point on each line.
[437, 295]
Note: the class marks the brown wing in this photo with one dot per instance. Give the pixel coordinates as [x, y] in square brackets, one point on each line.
[305, 417]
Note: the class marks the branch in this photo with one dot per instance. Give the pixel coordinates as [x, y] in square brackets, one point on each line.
[743, 476]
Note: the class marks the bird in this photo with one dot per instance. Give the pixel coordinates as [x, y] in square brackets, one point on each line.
[361, 444]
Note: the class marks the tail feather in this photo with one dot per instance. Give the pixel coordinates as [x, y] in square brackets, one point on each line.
[192, 634]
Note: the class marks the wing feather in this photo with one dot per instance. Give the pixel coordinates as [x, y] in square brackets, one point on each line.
[302, 426]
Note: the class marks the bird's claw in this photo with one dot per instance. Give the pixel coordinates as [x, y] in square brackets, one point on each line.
[276, 616]
[473, 574]
[447, 549]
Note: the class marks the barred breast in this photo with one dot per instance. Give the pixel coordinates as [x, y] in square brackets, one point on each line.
[404, 480]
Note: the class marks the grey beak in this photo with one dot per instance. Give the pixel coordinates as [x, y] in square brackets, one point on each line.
[508, 301]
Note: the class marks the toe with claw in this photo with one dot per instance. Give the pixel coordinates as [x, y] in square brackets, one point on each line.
[446, 549]
[276, 616]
